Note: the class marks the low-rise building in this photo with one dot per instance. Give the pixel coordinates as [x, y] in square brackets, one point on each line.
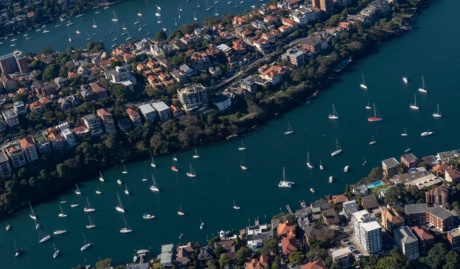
[441, 218]
[107, 120]
[369, 202]
[16, 155]
[167, 255]
[221, 102]
[19, 108]
[314, 265]
[415, 214]
[424, 181]
[409, 160]
[294, 56]
[390, 167]
[162, 110]
[342, 256]
[29, 149]
[10, 117]
[134, 116]
[425, 239]
[407, 242]
[93, 124]
[350, 207]
[438, 196]
[391, 220]
[452, 175]
[453, 236]
[5, 166]
[148, 112]
[193, 97]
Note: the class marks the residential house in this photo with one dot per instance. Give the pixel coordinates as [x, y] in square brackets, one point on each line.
[205, 254]
[93, 124]
[98, 90]
[425, 181]
[184, 255]
[16, 154]
[390, 167]
[19, 108]
[57, 142]
[415, 214]
[407, 177]
[409, 160]
[286, 229]
[148, 112]
[193, 97]
[453, 236]
[61, 82]
[425, 239]
[452, 175]
[5, 166]
[407, 242]
[367, 231]
[187, 70]
[438, 196]
[330, 217]
[440, 218]
[273, 74]
[124, 124]
[289, 245]
[314, 265]
[36, 108]
[10, 117]
[362, 190]
[391, 220]
[29, 148]
[107, 120]
[134, 117]
[68, 136]
[167, 255]
[348, 208]
[42, 143]
[177, 112]
[369, 203]
[221, 102]
[310, 44]
[163, 112]
[339, 199]
[342, 257]
[261, 263]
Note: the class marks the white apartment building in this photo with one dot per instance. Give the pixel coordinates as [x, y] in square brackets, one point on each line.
[163, 111]
[407, 242]
[93, 124]
[193, 96]
[367, 231]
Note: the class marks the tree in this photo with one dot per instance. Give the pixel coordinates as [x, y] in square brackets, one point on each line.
[393, 195]
[51, 72]
[452, 260]
[242, 254]
[161, 35]
[395, 260]
[296, 257]
[436, 256]
[103, 264]
[276, 263]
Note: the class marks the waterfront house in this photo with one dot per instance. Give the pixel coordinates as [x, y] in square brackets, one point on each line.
[294, 56]
[273, 74]
[390, 167]
[184, 255]
[407, 242]
[318, 264]
[16, 154]
[29, 148]
[330, 217]
[167, 255]
[342, 257]
[452, 175]
[425, 181]
[391, 220]
[134, 117]
[286, 229]
[350, 207]
[339, 199]
[425, 239]
[93, 124]
[107, 120]
[369, 203]
[205, 254]
[407, 177]
[439, 196]
[415, 214]
[362, 190]
[288, 245]
[409, 160]
[453, 236]
[439, 169]
[440, 218]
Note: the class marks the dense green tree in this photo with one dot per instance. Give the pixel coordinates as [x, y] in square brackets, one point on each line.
[160, 36]
[395, 260]
[452, 260]
[436, 257]
[51, 72]
[242, 254]
[296, 257]
[103, 264]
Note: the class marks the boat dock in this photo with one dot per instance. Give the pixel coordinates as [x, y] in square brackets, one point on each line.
[343, 64]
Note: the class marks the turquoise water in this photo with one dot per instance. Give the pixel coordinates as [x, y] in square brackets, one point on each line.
[430, 49]
[375, 184]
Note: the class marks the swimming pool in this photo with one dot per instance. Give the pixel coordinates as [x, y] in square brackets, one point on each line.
[375, 184]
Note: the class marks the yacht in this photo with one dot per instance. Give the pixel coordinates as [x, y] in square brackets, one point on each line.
[331, 179]
[437, 114]
[77, 32]
[18, 251]
[368, 107]
[152, 163]
[427, 133]
[376, 116]
[127, 228]
[74, 205]
[62, 214]
[69, 24]
[338, 149]
[414, 105]
[60, 230]
[7, 226]
[405, 132]
[192, 173]
[405, 80]
[175, 158]
[345, 169]
[32, 213]
[43, 238]
[115, 19]
[372, 141]
[148, 216]
[289, 130]
[321, 167]
[91, 224]
[242, 147]
[174, 168]
[422, 89]
[334, 115]
[101, 178]
[119, 182]
[202, 226]
[154, 186]
[98, 191]
[196, 156]
[125, 171]
[94, 24]
[126, 189]
[284, 183]
[56, 251]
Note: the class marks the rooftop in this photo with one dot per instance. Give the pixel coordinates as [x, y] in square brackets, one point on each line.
[422, 233]
[159, 106]
[440, 212]
[405, 235]
[425, 181]
[410, 158]
[370, 226]
[416, 208]
[454, 232]
[390, 163]
[341, 252]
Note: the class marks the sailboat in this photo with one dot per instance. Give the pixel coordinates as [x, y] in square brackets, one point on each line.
[154, 186]
[152, 162]
[32, 213]
[43, 238]
[197, 4]
[18, 251]
[89, 37]
[91, 224]
[242, 166]
[180, 212]
[37, 225]
[368, 107]
[437, 114]
[414, 105]
[331, 179]
[338, 148]
[194, 16]
[405, 80]
[125, 171]
[115, 19]
[175, 22]
[235, 206]
[119, 207]
[139, 14]
[173, 167]
[363, 84]
[174, 157]
[321, 167]
[407, 149]
[56, 251]
[242, 147]
[129, 37]
[372, 141]
[196, 156]
[216, 13]
[192, 173]
[127, 228]
[405, 132]
[77, 31]
[311, 166]
[101, 178]
[77, 190]
[364, 161]
[88, 208]
[334, 115]
[98, 191]
[94, 24]
[124, 27]
[86, 244]
[70, 39]
[7, 226]
[62, 214]
[427, 133]
[423, 88]
[60, 230]
[312, 190]
[376, 117]
[289, 130]
[201, 225]
[126, 189]
[119, 182]
[62, 200]
[284, 183]
[208, 8]
[345, 169]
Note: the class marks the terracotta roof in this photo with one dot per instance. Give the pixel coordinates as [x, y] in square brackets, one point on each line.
[103, 113]
[285, 228]
[339, 199]
[314, 265]
[27, 142]
[272, 71]
[395, 219]
[97, 88]
[45, 100]
[132, 112]
[422, 234]
[288, 245]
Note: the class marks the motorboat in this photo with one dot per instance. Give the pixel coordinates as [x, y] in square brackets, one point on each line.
[148, 216]
[345, 169]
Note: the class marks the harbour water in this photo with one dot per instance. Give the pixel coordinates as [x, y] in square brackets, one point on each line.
[429, 49]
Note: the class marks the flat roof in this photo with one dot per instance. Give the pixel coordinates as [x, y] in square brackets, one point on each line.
[416, 208]
[440, 212]
[426, 181]
[159, 106]
[338, 253]
[146, 108]
[371, 226]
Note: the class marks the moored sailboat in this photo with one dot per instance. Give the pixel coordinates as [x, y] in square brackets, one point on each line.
[284, 183]
[180, 212]
[334, 115]
[32, 213]
[437, 114]
[192, 173]
[196, 156]
[152, 162]
[376, 117]
[101, 178]
[372, 141]
[42, 237]
[309, 164]
[414, 105]
[235, 206]
[62, 214]
[91, 223]
[126, 189]
[338, 148]
[119, 207]
[242, 147]
[86, 244]
[405, 132]
[154, 186]
[422, 89]
[126, 228]
[363, 84]
[289, 130]
[88, 208]
[56, 251]
[77, 190]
